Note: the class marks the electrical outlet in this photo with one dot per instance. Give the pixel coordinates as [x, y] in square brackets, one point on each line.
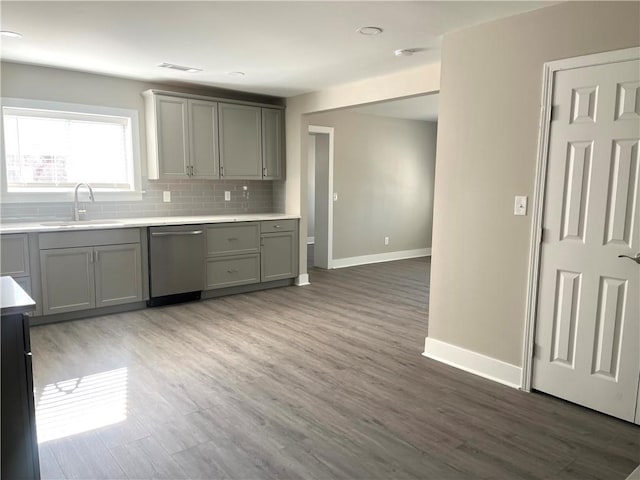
[227, 196]
[166, 196]
[386, 240]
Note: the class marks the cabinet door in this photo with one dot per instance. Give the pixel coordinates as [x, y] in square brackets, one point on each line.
[67, 279]
[14, 252]
[272, 144]
[240, 141]
[279, 256]
[118, 273]
[203, 139]
[19, 454]
[171, 124]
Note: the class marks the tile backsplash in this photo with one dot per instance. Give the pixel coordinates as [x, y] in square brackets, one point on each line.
[188, 197]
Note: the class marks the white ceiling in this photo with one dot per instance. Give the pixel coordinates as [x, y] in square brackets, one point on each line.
[424, 107]
[285, 48]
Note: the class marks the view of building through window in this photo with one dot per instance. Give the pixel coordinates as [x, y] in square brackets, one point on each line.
[48, 150]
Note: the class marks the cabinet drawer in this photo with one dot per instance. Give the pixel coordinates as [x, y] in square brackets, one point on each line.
[87, 238]
[231, 271]
[237, 238]
[275, 226]
[14, 250]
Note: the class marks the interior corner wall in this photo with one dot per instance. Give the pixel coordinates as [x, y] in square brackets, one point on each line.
[383, 174]
[490, 96]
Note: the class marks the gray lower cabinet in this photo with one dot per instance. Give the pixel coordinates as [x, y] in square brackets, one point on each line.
[88, 277]
[279, 249]
[233, 255]
[14, 261]
[67, 280]
[85, 270]
[14, 253]
[232, 271]
[118, 276]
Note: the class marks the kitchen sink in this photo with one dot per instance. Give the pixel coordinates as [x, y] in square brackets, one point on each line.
[73, 223]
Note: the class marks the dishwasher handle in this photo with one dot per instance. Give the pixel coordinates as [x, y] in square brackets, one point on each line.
[170, 234]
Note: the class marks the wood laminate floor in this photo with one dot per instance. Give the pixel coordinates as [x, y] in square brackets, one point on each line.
[320, 382]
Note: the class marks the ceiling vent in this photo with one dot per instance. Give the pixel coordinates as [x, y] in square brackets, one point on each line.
[182, 68]
[407, 52]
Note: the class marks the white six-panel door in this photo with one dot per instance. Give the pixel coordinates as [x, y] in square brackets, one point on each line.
[587, 330]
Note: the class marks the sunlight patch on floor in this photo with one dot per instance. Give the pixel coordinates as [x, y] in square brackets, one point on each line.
[81, 404]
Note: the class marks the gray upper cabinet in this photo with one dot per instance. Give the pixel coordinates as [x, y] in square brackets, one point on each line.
[171, 158]
[182, 137]
[203, 139]
[272, 144]
[193, 137]
[240, 134]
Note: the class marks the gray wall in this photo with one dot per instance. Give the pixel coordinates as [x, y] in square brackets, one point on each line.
[311, 187]
[383, 174]
[189, 197]
[321, 200]
[487, 142]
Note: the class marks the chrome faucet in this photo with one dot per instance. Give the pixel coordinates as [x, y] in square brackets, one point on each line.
[76, 211]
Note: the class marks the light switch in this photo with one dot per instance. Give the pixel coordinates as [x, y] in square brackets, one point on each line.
[520, 205]
[166, 196]
[227, 196]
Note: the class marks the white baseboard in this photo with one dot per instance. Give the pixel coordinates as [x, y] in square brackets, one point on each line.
[302, 280]
[311, 240]
[379, 257]
[635, 475]
[473, 362]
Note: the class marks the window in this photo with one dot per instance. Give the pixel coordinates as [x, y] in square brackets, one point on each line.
[50, 147]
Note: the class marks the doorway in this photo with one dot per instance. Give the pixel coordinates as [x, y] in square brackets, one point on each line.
[320, 197]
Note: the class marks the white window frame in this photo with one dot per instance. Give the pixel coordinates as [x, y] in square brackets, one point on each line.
[65, 194]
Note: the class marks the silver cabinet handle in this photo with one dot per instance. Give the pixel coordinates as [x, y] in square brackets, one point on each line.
[277, 226]
[232, 271]
[635, 259]
[169, 234]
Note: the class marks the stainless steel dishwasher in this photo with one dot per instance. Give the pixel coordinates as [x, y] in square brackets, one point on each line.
[176, 263]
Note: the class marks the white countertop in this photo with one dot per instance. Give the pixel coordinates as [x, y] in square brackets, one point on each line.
[13, 298]
[55, 226]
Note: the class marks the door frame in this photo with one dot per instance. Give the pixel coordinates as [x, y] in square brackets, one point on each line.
[535, 244]
[328, 131]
